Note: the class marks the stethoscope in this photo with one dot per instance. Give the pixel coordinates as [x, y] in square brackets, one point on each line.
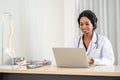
[96, 42]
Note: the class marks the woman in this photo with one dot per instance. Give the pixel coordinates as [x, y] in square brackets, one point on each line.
[98, 48]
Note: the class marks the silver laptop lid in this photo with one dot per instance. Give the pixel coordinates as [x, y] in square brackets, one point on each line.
[70, 57]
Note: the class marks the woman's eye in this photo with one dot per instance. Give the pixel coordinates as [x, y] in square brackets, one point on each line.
[81, 24]
[87, 24]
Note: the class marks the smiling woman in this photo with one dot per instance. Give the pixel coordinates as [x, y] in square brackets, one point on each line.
[98, 48]
[40, 23]
[108, 12]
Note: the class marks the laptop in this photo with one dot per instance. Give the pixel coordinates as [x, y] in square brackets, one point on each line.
[71, 57]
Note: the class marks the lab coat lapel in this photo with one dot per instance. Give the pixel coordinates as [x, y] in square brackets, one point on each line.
[81, 45]
[92, 44]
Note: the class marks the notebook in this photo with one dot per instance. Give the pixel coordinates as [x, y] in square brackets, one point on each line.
[70, 57]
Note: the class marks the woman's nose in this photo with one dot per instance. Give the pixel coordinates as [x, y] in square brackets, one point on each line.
[83, 26]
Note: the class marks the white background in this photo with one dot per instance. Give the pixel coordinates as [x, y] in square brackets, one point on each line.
[40, 25]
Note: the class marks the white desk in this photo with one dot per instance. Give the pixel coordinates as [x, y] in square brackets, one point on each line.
[50, 72]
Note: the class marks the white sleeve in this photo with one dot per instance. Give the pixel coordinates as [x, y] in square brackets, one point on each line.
[107, 57]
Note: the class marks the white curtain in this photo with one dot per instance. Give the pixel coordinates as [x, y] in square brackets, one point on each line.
[108, 14]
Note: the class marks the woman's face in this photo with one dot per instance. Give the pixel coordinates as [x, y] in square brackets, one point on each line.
[86, 25]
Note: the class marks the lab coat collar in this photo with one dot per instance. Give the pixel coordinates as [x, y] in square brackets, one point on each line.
[92, 44]
[94, 37]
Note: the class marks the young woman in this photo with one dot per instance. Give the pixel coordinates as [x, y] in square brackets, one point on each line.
[98, 48]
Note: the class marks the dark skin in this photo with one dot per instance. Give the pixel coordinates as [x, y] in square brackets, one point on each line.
[87, 29]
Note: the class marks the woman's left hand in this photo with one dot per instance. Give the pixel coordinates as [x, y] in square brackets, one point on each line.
[90, 60]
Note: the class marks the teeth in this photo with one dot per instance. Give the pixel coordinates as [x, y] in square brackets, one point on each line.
[84, 30]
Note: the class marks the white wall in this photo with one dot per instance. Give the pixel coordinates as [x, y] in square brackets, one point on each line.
[38, 26]
[70, 21]
[42, 27]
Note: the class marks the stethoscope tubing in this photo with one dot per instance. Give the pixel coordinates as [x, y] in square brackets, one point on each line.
[96, 42]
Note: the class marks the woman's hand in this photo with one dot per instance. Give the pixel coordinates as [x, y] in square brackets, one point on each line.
[90, 60]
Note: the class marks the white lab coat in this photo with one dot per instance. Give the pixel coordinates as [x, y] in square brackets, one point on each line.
[103, 54]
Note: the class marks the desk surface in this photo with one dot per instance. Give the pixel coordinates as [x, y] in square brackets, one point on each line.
[92, 71]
